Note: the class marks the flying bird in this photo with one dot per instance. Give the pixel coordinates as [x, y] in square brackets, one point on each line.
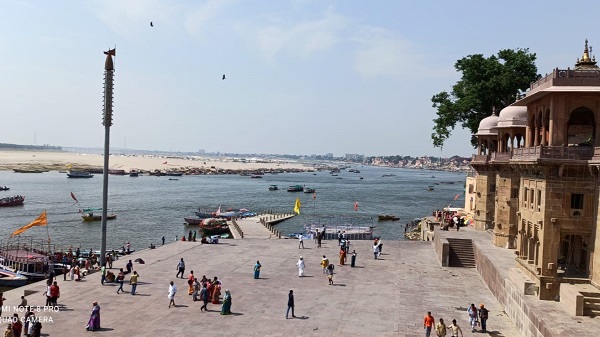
[223, 76]
[151, 24]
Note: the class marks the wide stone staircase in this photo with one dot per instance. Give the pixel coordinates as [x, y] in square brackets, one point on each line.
[461, 253]
[591, 303]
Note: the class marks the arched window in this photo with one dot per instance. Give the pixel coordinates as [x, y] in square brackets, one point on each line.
[581, 127]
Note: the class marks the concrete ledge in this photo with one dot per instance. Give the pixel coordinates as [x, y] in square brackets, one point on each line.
[442, 249]
[571, 299]
[522, 282]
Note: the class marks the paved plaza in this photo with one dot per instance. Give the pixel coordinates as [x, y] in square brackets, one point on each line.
[384, 297]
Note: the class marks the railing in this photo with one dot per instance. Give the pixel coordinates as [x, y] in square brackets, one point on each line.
[270, 227]
[566, 77]
[480, 159]
[553, 152]
[500, 157]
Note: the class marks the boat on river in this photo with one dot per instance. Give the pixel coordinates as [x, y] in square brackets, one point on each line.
[79, 174]
[295, 188]
[214, 226]
[28, 171]
[89, 215]
[388, 217]
[134, 173]
[4, 188]
[27, 257]
[273, 188]
[12, 201]
[309, 190]
[12, 279]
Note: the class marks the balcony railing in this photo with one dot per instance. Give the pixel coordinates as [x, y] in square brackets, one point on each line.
[566, 77]
[553, 153]
[480, 159]
[500, 157]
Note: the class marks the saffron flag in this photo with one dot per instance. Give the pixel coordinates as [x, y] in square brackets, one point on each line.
[456, 197]
[41, 220]
[73, 196]
[356, 206]
[297, 206]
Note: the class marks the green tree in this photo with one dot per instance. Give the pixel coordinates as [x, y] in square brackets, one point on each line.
[486, 83]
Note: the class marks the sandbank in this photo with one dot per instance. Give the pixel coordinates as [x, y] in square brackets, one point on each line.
[43, 160]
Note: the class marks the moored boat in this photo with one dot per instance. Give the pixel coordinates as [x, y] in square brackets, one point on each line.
[387, 217]
[12, 279]
[214, 226]
[79, 174]
[28, 171]
[193, 221]
[134, 173]
[29, 258]
[12, 201]
[295, 188]
[174, 174]
[255, 176]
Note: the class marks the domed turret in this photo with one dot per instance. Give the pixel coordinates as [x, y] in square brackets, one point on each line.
[488, 125]
[512, 116]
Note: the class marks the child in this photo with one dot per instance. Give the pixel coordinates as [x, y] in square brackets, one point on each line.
[330, 277]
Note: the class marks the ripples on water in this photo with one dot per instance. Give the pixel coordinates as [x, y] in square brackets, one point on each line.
[149, 207]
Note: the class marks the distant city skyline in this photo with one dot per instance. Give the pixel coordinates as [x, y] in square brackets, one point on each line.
[302, 76]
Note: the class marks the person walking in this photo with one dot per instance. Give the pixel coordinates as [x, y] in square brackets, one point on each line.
[257, 269]
[342, 256]
[330, 276]
[226, 308]
[440, 328]
[196, 295]
[204, 296]
[455, 329]
[375, 251]
[54, 293]
[473, 319]
[120, 280]
[9, 331]
[428, 322]
[483, 316]
[300, 241]
[103, 274]
[163, 240]
[109, 260]
[300, 265]
[129, 267]
[353, 259]
[94, 321]
[17, 325]
[172, 292]
[180, 268]
[324, 264]
[133, 281]
[290, 304]
[319, 238]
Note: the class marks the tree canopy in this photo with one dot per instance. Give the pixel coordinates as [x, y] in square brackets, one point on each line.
[486, 83]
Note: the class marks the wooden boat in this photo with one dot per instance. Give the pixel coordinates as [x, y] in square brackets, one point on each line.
[134, 173]
[28, 257]
[430, 188]
[79, 174]
[174, 174]
[446, 182]
[295, 188]
[204, 215]
[214, 226]
[173, 179]
[12, 201]
[192, 221]
[4, 188]
[256, 176]
[309, 190]
[273, 188]
[387, 217]
[28, 171]
[90, 216]
[11, 279]
[117, 172]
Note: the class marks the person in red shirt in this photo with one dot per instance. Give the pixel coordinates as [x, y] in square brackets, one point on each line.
[54, 293]
[428, 322]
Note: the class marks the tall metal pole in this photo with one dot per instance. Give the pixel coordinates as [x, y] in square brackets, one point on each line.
[109, 70]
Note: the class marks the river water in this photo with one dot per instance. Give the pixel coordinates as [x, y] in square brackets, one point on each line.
[149, 207]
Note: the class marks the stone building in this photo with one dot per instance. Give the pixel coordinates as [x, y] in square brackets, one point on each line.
[536, 185]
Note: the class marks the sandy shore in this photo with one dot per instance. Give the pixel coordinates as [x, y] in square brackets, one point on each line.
[64, 160]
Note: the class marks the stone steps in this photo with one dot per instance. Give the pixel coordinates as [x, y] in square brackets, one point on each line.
[461, 253]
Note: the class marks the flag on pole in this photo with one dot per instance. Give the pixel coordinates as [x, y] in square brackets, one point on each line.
[74, 198]
[356, 206]
[41, 220]
[456, 197]
[297, 206]
[218, 212]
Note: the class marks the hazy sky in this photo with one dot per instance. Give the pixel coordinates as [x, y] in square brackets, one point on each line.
[303, 76]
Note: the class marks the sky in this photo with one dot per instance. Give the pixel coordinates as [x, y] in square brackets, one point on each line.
[302, 76]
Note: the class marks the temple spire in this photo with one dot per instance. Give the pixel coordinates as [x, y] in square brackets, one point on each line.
[586, 62]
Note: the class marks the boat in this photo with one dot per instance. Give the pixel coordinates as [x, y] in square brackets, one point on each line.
[117, 172]
[430, 188]
[12, 279]
[255, 176]
[309, 190]
[273, 188]
[173, 179]
[79, 174]
[90, 216]
[388, 175]
[295, 188]
[12, 201]
[387, 217]
[446, 182]
[134, 173]
[353, 170]
[28, 171]
[204, 214]
[28, 257]
[174, 174]
[361, 178]
[192, 221]
[213, 226]
[4, 188]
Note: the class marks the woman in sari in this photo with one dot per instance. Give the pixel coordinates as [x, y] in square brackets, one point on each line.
[257, 270]
[226, 308]
[342, 256]
[94, 322]
[216, 293]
